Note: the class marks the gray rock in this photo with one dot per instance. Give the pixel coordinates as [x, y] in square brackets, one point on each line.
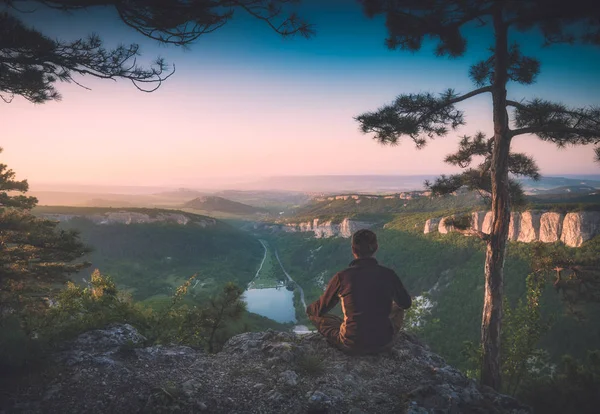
[240, 379]
[289, 378]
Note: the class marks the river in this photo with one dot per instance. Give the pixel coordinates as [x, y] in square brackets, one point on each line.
[275, 303]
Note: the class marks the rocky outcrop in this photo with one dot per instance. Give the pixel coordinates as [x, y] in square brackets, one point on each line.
[551, 227]
[446, 225]
[431, 225]
[529, 230]
[328, 228]
[580, 227]
[572, 229]
[109, 371]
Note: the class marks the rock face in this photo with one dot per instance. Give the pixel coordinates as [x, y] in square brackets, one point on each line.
[477, 219]
[514, 226]
[326, 229]
[486, 226]
[265, 372]
[445, 225]
[431, 225]
[551, 227]
[572, 229]
[530, 226]
[580, 227]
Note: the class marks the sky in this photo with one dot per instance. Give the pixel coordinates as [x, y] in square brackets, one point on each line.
[246, 103]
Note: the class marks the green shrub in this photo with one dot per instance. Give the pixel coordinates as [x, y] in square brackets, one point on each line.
[310, 364]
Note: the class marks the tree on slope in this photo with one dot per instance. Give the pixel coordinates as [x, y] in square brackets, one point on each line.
[426, 116]
[34, 254]
[31, 63]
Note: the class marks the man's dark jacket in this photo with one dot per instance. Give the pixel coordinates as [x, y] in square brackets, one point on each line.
[366, 291]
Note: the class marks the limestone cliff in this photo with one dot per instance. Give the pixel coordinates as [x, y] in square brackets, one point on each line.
[132, 217]
[529, 230]
[328, 228]
[551, 227]
[580, 227]
[573, 229]
[110, 371]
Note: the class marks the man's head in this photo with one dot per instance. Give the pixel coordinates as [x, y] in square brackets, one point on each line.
[364, 243]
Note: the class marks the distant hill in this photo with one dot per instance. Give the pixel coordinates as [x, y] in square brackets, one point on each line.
[555, 183]
[362, 205]
[101, 202]
[222, 205]
[570, 189]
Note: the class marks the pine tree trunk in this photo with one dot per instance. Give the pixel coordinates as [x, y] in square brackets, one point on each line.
[496, 246]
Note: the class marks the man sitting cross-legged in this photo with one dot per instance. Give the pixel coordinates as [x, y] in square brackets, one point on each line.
[373, 300]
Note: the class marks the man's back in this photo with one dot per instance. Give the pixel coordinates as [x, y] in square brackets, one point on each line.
[366, 294]
[366, 291]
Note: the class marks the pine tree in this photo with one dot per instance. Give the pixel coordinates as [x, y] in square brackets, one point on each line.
[35, 255]
[426, 116]
[31, 63]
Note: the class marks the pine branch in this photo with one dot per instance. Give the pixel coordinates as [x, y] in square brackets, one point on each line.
[181, 22]
[556, 123]
[419, 116]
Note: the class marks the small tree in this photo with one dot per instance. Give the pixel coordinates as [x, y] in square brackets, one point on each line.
[31, 63]
[425, 116]
[35, 255]
[225, 308]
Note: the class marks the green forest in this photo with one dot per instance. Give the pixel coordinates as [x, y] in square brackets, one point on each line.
[151, 260]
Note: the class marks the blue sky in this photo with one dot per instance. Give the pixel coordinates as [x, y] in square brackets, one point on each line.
[245, 102]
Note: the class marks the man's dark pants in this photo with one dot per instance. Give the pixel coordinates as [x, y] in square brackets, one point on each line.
[329, 326]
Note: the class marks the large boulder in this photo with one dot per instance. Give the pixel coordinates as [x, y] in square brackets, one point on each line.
[431, 225]
[530, 226]
[551, 227]
[580, 227]
[260, 372]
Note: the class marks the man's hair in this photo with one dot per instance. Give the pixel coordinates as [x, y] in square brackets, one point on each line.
[364, 243]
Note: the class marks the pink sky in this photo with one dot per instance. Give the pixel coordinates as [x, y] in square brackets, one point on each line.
[239, 107]
[183, 134]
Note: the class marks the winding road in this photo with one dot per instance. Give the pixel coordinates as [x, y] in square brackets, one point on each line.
[263, 260]
[292, 280]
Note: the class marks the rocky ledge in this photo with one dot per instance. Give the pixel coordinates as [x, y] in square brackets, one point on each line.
[109, 371]
[573, 229]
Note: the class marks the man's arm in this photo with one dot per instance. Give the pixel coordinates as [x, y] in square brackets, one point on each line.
[401, 296]
[327, 301]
